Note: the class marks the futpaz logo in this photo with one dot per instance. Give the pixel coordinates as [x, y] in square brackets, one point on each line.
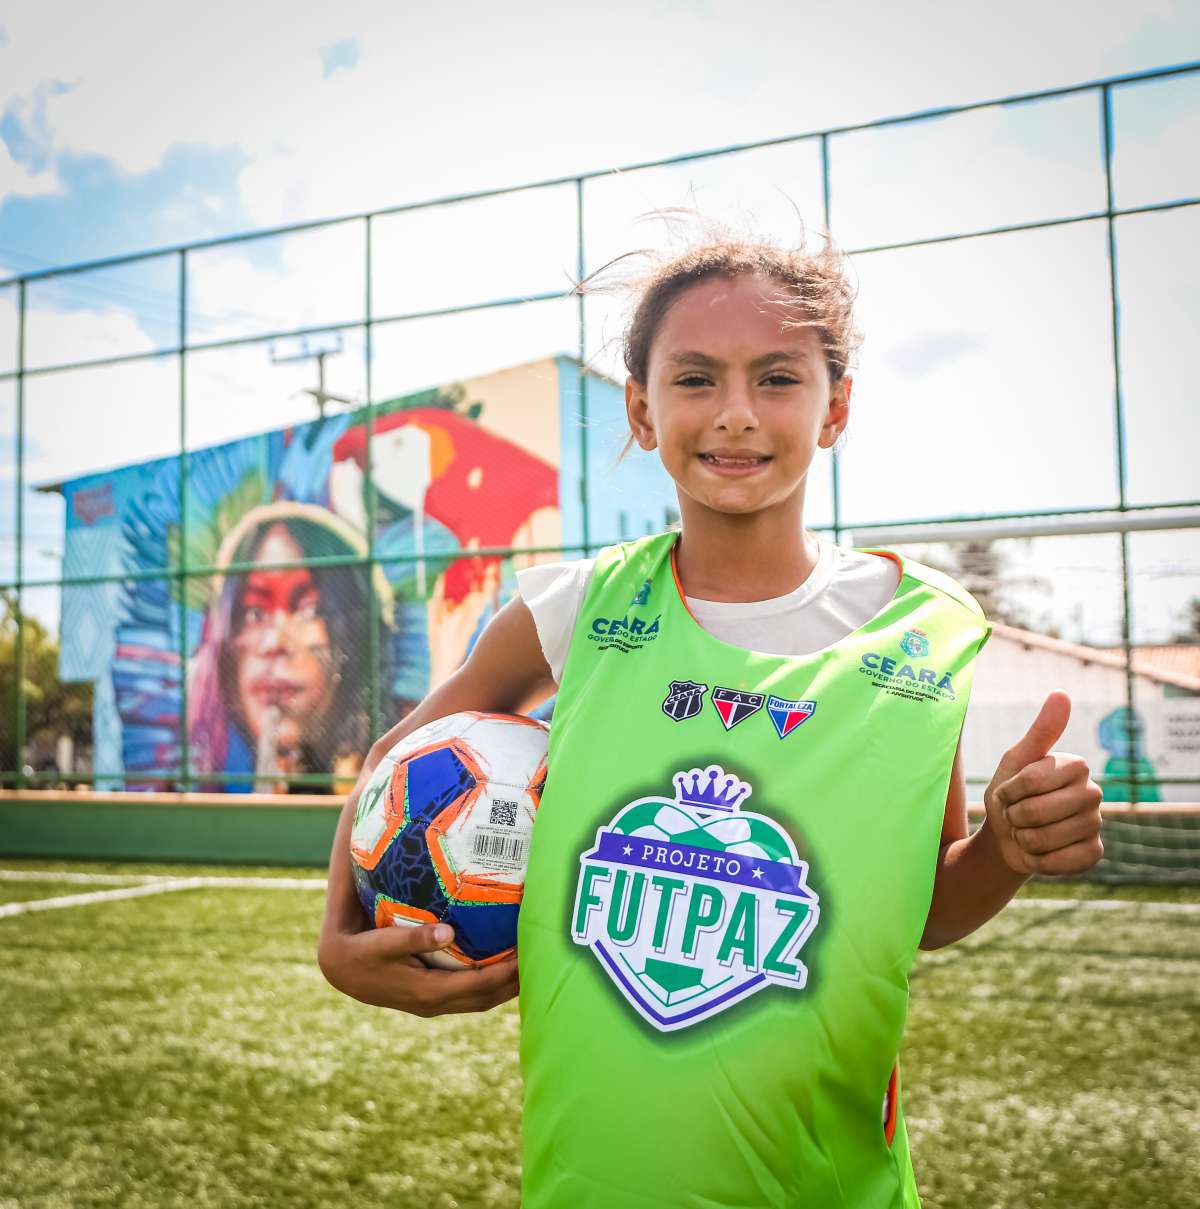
[691, 904]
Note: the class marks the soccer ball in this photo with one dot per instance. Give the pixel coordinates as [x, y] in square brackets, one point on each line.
[442, 832]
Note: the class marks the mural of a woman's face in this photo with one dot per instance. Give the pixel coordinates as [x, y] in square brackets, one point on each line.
[284, 664]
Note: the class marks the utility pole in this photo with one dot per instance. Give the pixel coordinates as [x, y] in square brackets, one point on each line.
[309, 348]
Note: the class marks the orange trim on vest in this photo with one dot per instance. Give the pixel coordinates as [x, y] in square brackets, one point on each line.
[888, 554]
[890, 1106]
[678, 585]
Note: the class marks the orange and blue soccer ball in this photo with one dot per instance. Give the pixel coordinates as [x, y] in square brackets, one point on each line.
[442, 831]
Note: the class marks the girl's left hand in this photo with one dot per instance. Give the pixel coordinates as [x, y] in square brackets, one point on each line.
[1042, 805]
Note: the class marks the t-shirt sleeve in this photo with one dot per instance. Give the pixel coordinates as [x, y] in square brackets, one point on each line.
[553, 593]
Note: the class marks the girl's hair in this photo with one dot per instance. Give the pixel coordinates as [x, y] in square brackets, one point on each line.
[814, 291]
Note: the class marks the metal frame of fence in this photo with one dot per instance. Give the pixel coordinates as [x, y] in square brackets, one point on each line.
[1175, 514]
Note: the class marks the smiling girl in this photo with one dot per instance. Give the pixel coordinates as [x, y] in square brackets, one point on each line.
[756, 810]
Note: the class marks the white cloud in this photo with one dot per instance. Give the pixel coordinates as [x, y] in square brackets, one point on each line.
[55, 334]
[986, 168]
[461, 96]
[17, 180]
[1164, 162]
[319, 277]
[1022, 417]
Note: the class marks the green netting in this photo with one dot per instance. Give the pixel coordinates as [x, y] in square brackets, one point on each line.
[1150, 845]
[1144, 845]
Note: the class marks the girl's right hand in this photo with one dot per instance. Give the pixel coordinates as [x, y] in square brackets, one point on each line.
[506, 671]
[380, 966]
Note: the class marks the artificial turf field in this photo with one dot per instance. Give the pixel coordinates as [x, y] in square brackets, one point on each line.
[182, 1048]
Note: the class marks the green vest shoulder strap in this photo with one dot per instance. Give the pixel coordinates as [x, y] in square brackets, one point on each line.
[626, 558]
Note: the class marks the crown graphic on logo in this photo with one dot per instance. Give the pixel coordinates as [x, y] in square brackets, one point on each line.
[710, 788]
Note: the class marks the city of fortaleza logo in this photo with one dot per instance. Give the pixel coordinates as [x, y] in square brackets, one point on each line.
[691, 904]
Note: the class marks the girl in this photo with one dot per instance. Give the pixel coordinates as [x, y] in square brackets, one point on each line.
[756, 812]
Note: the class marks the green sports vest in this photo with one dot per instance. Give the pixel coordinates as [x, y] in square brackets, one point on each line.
[728, 879]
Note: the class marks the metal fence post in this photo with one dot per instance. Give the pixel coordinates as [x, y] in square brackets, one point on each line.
[581, 372]
[181, 571]
[19, 715]
[374, 704]
[836, 467]
[1114, 304]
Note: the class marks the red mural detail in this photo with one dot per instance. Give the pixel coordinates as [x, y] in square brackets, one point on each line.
[94, 503]
[147, 654]
[483, 515]
[466, 576]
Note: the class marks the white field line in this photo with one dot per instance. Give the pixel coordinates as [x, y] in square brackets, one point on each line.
[96, 896]
[145, 885]
[263, 883]
[80, 879]
[124, 879]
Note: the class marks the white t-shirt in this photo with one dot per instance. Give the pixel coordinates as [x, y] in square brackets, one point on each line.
[843, 592]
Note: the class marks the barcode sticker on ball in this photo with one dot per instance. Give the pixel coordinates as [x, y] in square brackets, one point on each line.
[501, 850]
[504, 812]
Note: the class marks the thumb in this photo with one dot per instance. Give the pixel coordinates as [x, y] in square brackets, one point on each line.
[405, 940]
[1044, 731]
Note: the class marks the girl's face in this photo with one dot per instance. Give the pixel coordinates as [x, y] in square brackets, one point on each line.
[282, 644]
[736, 406]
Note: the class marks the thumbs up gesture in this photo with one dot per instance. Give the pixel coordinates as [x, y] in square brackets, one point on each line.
[1042, 805]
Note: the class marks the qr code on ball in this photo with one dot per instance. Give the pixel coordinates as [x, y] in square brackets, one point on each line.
[504, 813]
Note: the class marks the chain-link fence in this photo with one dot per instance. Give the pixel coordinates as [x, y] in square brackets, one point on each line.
[182, 501]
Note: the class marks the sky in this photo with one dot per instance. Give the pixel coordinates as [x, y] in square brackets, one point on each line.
[985, 379]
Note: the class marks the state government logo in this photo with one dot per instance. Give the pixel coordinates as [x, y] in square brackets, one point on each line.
[915, 644]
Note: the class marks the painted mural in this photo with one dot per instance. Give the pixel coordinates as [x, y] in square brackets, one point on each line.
[282, 638]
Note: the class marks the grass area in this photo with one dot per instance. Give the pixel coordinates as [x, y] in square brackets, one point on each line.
[1052, 1060]
[183, 1049]
[1125, 891]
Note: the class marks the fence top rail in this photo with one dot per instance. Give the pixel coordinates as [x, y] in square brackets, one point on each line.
[578, 178]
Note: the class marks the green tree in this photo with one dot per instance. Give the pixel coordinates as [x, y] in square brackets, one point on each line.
[51, 707]
[1189, 630]
[984, 569]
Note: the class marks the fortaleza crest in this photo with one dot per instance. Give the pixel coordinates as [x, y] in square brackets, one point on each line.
[691, 904]
[787, 715]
